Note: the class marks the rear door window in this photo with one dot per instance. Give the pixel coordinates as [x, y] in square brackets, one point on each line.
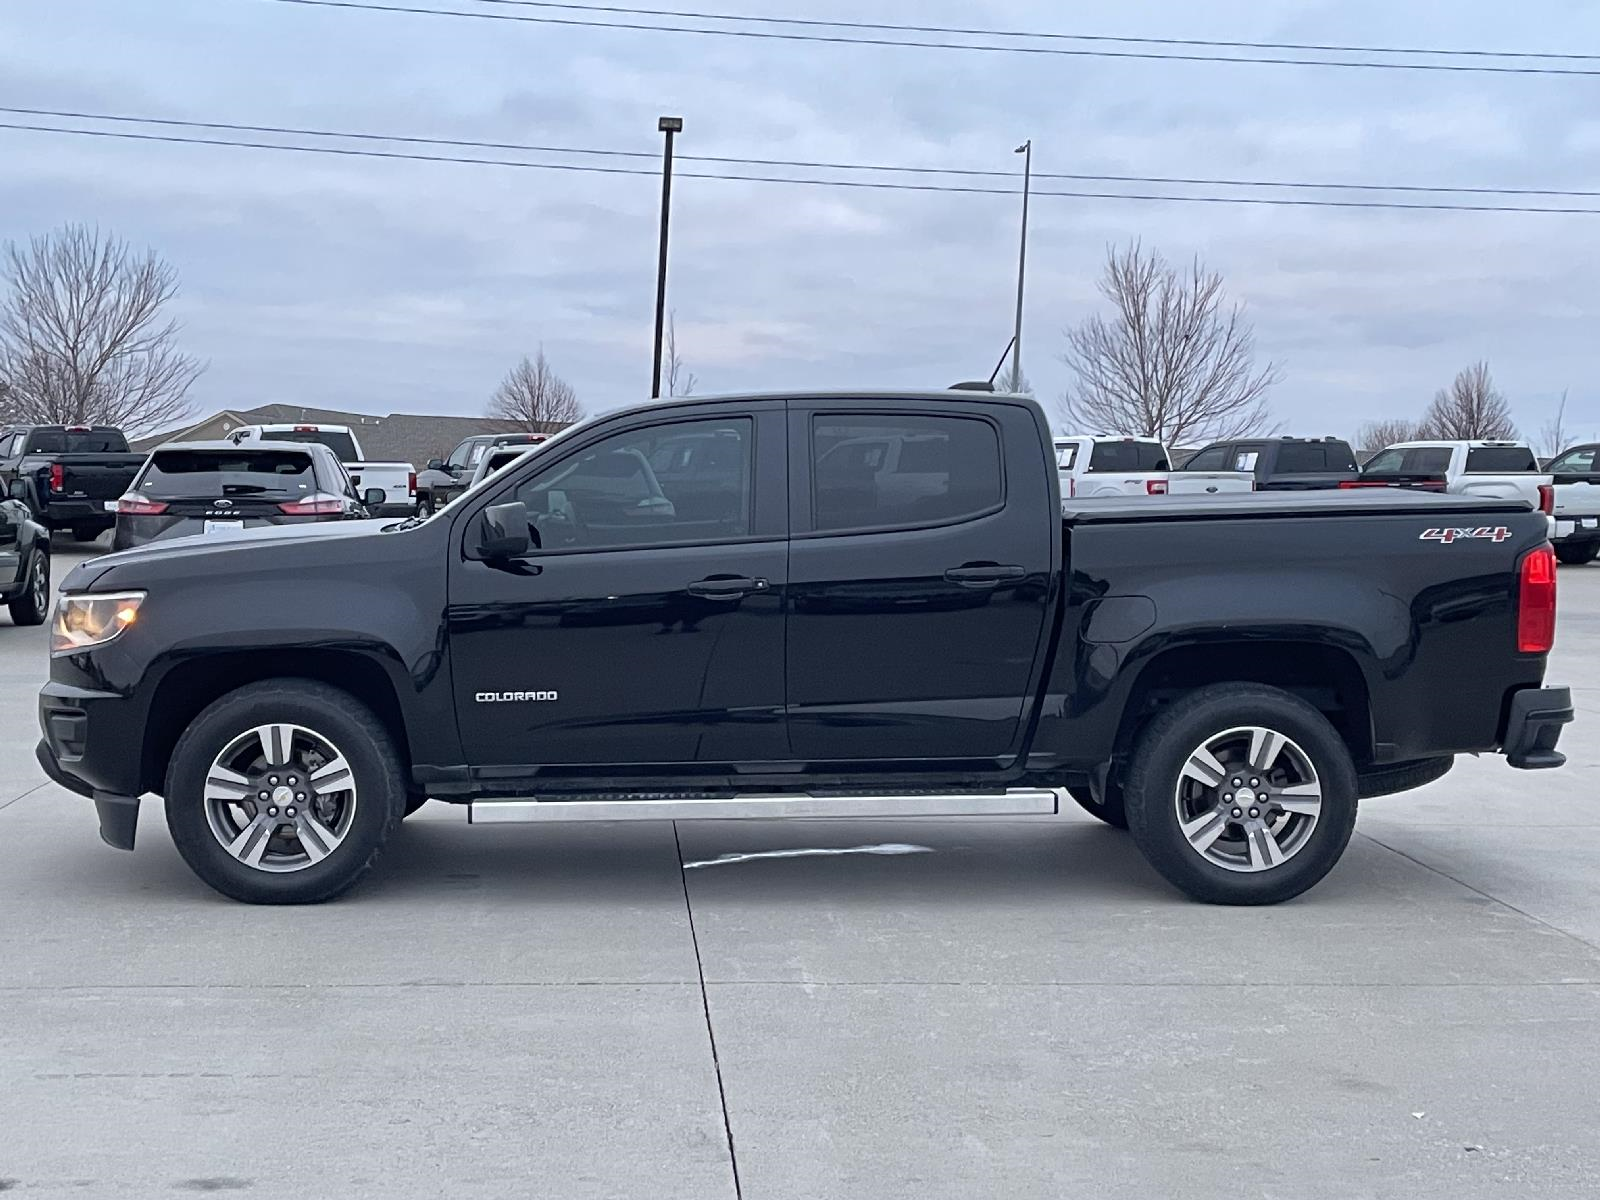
[1302, 458]
[1127, 455]
[873, 470]
[1212, 458]
[1500, 460]
[198, 474]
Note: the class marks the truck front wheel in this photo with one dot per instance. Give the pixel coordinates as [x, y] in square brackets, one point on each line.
[1241, 794]
[284, 792]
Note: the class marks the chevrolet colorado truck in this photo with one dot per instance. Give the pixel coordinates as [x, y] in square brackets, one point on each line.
[695, 609]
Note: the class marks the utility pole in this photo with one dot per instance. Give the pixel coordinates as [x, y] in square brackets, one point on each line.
[668, 126]
[1026, 150]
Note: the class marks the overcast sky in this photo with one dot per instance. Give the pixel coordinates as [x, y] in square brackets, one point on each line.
[398, 286]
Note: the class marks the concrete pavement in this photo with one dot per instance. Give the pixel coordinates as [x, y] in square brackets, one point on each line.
[1023, 1010]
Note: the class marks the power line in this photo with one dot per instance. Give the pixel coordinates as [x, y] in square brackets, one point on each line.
[799, 164]
[811, 22]
[840, 39]
[585, 168]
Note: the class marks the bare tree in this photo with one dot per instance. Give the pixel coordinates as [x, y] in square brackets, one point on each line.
[82, 339]
[534, 396]
[1375, 435]
[1470, 408]
[1553, 437]
[1171, 362]
[679, 381]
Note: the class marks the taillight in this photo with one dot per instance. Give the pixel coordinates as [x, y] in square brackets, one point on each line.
[1547, 499]
[135, 505]
[1155, 487]
[1072, 486]
[411, 484]
[1536, 601]
[313, 506]
[58, 477]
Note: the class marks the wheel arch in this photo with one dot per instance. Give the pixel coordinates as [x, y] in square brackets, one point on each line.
[1327, 677]
[190, 686]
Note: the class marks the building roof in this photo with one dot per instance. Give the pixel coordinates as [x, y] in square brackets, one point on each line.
[405, 437]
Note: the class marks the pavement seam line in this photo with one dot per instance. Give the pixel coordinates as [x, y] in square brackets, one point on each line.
[1585, 942]
[24, 795]
[705, 1005]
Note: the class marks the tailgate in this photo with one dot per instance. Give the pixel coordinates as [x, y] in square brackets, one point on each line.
[393, 477]
[1577, 495]
[1209, 483]
[97, 479]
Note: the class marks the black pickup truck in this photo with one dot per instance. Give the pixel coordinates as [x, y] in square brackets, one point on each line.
[854, 605]
[65, 474]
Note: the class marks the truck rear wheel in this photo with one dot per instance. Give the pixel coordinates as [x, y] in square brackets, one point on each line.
[284, 792]
[1577, 555]
[1241, 794]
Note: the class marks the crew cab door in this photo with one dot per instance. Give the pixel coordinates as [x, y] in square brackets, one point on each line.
[919, 576]
[647, 626]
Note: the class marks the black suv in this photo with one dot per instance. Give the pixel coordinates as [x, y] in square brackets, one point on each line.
[1287, 464]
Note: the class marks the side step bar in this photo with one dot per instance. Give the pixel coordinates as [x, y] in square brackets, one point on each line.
[1013, 802]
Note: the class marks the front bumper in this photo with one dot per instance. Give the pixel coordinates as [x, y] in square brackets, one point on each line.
[1534, 725]
[119, 815]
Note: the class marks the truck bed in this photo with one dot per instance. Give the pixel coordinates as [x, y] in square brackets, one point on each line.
[1373, 502]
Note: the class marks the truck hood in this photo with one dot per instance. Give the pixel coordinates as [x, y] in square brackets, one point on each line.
[232, 552]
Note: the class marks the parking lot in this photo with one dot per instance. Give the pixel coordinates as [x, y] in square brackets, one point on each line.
[1017, 1009]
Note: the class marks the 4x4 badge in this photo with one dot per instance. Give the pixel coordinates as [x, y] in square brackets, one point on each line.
[1497, 533]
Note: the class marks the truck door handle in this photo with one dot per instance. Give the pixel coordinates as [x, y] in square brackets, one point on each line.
[727, 587]
[983, 574]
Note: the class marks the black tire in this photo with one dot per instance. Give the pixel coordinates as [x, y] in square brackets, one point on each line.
[378, 796]
[88, 531]
[1578, 554]
[413, 802]
[1112, 810]
[424, 506]
[32, 605]
[1200, 719]
[1402, 777]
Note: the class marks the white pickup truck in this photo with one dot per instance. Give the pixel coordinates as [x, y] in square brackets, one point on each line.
[1503, 470]
[397, 480]
[1102, 465]
[1575, 473]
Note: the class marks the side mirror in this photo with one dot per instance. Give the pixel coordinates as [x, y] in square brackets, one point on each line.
[503, 532]
[373, 497]
[436, 464]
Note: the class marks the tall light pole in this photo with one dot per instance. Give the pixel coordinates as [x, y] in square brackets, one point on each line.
[1026, 150]
[668, 126]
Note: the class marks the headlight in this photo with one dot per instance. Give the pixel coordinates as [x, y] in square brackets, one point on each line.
[92, 619]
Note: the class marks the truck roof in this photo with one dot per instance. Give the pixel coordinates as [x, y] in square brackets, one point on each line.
[1360, 502]
[1423, 443]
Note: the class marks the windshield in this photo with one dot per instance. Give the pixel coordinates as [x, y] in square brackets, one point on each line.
[337, 440]
[77, 441]
[182, 474]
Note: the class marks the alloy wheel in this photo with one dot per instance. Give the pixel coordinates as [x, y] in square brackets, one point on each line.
[280, 797]
[1248, 799]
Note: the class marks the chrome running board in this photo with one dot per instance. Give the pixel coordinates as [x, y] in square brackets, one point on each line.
[1013, 802]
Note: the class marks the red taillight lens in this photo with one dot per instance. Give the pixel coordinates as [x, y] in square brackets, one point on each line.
[411, 483]
[313, 506]
[1072, 486]
[1547, 499]
[134, 505]
[58, 477]
[1536, 601]
[1155, 487]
